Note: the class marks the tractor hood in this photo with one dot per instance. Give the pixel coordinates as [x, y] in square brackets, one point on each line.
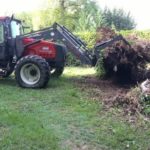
[28, 40]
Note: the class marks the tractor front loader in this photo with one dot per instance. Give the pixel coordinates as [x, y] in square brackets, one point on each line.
[37, 56]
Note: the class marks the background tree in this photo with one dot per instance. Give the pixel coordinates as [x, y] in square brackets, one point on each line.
[88, 15]
[27, 20]
[78, 16]
[56, 11]
[118, 18]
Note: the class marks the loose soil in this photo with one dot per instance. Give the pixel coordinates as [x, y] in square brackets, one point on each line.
[99, 89]
[112, 94]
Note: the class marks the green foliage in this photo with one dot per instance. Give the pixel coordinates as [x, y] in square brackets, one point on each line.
[145, 102]
[88, 16]
[100, 70]
[87, 37]
[27, 19]
[78, 16]
[57, 13]
[140, 34]
[72, 60]
[118, 19]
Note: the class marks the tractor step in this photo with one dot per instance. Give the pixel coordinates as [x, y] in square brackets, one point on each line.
[2, 73]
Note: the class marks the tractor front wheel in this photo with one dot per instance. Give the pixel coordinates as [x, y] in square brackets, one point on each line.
[32, 72]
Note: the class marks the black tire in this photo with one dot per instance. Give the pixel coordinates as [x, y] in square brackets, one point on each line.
[57, 72]
[32, 72]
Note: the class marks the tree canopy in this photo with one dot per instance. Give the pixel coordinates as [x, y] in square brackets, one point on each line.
[118, 18]
[77, 15]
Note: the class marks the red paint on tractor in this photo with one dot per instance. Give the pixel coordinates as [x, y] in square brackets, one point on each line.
[43, 48]
[28, 40]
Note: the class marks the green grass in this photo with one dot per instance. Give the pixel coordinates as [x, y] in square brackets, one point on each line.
[62, 117]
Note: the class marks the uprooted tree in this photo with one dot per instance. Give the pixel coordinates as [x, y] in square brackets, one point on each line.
[125, 63]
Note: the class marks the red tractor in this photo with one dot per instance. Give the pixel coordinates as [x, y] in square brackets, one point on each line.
[37, 55]
[33, 60]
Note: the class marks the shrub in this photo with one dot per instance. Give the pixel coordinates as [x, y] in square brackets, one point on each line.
[140, 34]
[72, 60]
[90, 39]
[100, 70]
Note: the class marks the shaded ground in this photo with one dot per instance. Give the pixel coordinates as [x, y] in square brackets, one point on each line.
[102, 89]
[62, 117]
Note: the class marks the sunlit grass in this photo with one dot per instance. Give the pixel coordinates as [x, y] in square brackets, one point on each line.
[79, 71]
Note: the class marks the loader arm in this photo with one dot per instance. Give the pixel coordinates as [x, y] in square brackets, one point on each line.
[74, 44]
[100, 46]
[58, 33]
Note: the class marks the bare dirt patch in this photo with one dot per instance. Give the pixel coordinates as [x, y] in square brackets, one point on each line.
[112, 94]
[103, 90]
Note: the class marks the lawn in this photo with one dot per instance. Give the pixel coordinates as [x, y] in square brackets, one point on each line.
[63, 117]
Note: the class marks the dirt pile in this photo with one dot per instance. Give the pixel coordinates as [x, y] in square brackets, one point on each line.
[132, 100]
[125, 63]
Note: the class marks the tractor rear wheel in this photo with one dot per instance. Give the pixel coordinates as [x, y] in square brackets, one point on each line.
[32, 72]
[56, 72]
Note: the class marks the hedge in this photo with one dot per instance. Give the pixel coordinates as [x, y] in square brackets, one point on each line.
[90, 39]
[140, 34]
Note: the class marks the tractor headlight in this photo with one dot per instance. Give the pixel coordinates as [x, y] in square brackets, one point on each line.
[52, 33]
